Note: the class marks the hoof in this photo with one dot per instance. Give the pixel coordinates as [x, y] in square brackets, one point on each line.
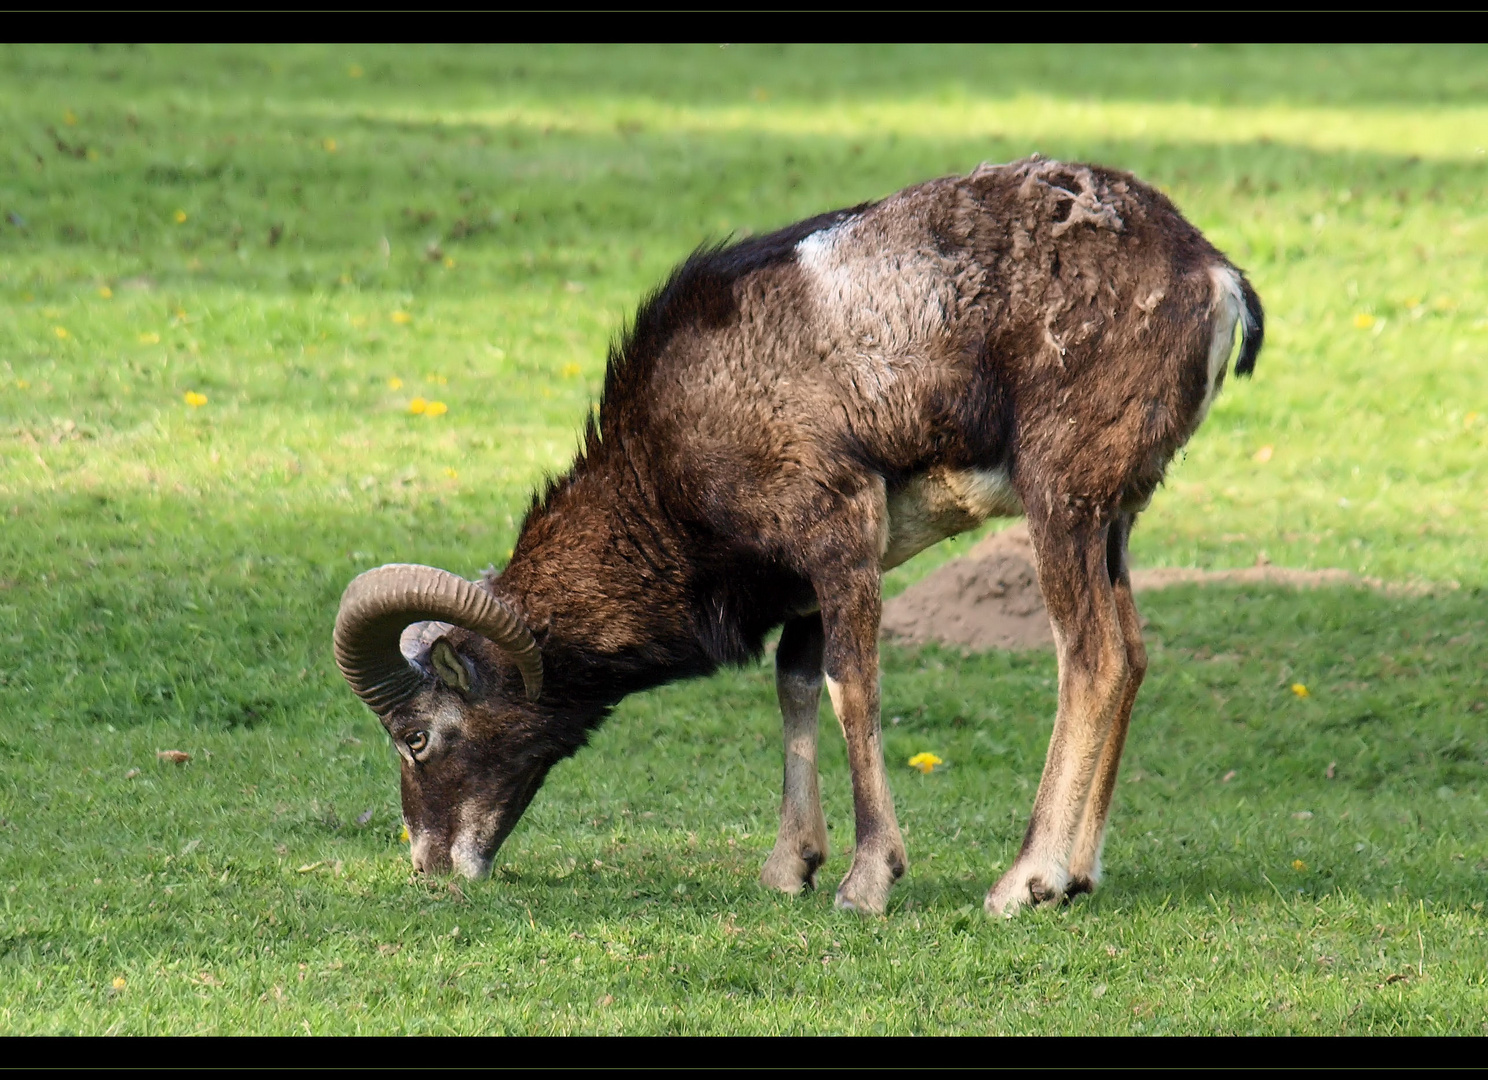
[792, 871]
[1029, 886]
[865, 890]
[854, 900]
[1077, 886]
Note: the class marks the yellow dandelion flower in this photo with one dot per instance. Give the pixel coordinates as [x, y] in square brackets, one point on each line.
[106, 292]
[925, 762]
[570, 370]
[1363, 320]
[1300, 690]
[355, 71]
[329, 144]
[418, 406]
[449, 262]
[451, 473]
[22, 384]
[442, 380]
[195, 400]
[69, 118]
[402, 318]
[60, 331]
[1298, 865]
[403, 833]
[1413, 301]
[180, 217]
[1263, 455]
[395, 383]
[120, 983]
[1470, 419]
[436, 408]
[149, 339]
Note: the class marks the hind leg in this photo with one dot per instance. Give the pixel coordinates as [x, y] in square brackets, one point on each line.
[801, 845]
[1070, 542]
[1085, 866]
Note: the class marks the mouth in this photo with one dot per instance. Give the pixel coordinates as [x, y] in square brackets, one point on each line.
[473, 849]
[426, 855]
[478, 837]
[467, 856]
[469, 861]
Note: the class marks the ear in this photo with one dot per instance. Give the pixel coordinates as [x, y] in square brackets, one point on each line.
[448, 665]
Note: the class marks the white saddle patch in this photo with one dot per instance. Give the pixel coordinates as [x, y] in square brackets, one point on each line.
[880, 313]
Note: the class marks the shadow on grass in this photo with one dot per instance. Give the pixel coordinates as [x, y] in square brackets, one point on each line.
[1263, 75]
[526, 198]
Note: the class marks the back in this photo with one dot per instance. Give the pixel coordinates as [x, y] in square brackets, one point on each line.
[920, 342]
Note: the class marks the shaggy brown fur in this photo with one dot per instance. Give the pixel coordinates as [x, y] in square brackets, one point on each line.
[791, 415]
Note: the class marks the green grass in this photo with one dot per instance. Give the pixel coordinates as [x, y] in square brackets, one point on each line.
[246, 223]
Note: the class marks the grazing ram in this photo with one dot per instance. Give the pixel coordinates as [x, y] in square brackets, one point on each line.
[788, 417]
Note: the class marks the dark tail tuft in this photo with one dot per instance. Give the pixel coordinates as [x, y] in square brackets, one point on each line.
[1255, 329]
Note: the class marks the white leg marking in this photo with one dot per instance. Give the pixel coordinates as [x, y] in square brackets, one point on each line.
[834, 691]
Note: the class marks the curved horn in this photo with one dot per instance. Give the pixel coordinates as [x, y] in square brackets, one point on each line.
[379, 604]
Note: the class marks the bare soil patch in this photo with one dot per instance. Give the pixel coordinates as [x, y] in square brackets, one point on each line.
[987, 599]
[990, 599]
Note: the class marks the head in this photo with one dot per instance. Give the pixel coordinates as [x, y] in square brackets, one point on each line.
[452, 672]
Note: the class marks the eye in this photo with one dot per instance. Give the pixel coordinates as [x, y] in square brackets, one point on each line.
[417, 741]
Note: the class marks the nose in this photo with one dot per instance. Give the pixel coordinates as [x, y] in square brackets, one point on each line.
[429, 856]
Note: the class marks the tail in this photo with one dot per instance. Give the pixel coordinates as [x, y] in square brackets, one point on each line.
[1253, 334]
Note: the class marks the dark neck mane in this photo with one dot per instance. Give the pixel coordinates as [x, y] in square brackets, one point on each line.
[622, 597]
[622, 586]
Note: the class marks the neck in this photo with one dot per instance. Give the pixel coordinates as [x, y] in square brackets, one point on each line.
[606, 581]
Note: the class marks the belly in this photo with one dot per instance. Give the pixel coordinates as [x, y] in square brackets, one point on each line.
[942, 503]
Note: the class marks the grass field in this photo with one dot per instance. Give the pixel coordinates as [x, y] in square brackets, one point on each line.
[302, 241]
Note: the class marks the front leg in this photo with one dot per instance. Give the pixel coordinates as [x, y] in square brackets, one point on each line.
[801, 846]
[851, 603]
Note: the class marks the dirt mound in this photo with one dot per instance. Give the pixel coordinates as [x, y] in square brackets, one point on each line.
[1163, 576]
[989, 598]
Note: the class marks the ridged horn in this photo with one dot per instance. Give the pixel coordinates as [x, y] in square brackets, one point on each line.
[379, 604]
